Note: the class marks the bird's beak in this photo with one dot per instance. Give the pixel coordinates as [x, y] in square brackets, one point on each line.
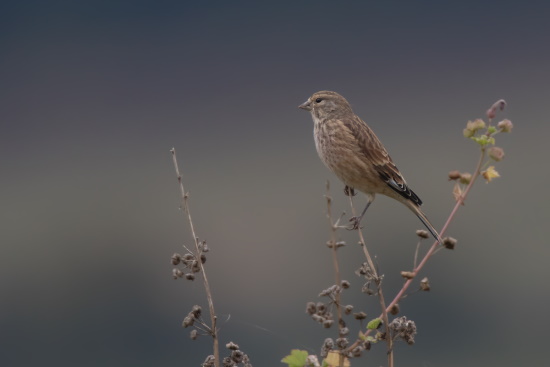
[305, 106]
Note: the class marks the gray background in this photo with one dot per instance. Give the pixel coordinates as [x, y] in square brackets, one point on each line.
[95, 93]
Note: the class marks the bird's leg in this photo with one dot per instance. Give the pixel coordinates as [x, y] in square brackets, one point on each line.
[355, 221]
[349, 191]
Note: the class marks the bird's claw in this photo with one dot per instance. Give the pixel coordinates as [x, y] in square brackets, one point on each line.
[349, 191]
[355, 221]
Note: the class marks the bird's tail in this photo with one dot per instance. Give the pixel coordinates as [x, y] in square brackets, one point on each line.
[425, 221]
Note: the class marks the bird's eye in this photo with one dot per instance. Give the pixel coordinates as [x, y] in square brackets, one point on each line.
[318, 100]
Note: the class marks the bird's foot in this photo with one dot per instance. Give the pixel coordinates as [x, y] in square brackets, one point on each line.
[349, 191]
[355, 224]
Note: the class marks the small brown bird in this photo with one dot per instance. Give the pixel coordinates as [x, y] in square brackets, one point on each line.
[351, 150]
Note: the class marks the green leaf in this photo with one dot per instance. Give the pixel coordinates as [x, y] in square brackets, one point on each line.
[297, 358]
[374, 323]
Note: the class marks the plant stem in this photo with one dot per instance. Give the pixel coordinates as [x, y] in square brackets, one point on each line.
[335, 263]
[213, 317]
[380, 294]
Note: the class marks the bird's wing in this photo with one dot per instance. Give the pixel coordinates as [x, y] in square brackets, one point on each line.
[371, 147]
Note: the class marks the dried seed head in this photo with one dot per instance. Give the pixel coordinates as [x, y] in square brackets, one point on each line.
[232, 346]
[327, 323]
[203, 258]
[317, 318]
[425, 284]
[227, 362]
[342, 343]
[311, 308]
[454, 175]
[188, 321]
[321, 308]
[505, 126]
[176, 259]
[348, 309]
[193, 334]
[344, 331]
[196, 311]
[190, 276]
[449, 242]
[356, 352]
[407, 274]
[360, 315]
[394, 310]
[422, 233]
[345, 284]
[209, 361]
[237, 356]
[188, 257]
[177, 273]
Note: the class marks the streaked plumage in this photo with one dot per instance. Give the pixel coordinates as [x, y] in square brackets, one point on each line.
[350, 149]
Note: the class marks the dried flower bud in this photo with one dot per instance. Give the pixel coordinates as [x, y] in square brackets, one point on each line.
[348, 309]
[345, 284]
[422, 233]
[498, 105]
[454, 175]
[425, 284]
[203, 258]
[190, 276]
[321, 308]
[360, 315]
[505, 126]
[193, 334]
[344, 331]
[465, 178]
[310, 308]
[407, 274]
[394, 310]
[496, 153]
[449, 242]
[176, 259]
[177, 273]
[232, 346]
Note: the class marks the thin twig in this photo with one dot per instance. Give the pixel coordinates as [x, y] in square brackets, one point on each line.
[337, 279]
[380, 294]
[213, 317]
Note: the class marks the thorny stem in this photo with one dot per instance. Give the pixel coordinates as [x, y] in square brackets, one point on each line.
[184, 197]
[434, 247]
[333, 229]
[380, 294]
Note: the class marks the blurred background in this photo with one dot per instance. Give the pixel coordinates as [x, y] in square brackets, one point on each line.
[94, 94]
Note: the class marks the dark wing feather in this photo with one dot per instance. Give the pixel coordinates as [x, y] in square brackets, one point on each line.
[372, 148]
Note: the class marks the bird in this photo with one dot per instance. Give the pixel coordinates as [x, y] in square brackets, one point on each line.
[350, 149]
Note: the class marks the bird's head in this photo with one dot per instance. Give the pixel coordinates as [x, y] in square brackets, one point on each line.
[326, 104]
